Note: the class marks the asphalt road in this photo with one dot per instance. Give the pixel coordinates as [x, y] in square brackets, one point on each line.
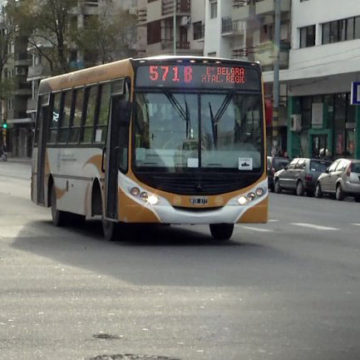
[285, 290]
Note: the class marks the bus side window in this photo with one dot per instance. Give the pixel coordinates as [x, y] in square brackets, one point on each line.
[74, 134]
[87, 132]
[65, 117]
[54, 117]
[103, 117]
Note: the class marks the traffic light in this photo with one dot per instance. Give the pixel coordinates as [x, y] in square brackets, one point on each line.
[4, 125]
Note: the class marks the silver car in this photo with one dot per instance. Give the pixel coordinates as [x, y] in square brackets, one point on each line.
[341, 179]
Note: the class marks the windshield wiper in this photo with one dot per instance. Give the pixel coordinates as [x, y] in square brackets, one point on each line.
[215, 119]
[183, 113]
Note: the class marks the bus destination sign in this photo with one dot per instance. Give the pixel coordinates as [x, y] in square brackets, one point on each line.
[198, 76]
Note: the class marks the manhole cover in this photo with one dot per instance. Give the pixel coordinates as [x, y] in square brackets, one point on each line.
[131, 357]
[107, 336]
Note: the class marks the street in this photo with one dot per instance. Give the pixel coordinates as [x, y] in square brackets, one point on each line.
[284, 290]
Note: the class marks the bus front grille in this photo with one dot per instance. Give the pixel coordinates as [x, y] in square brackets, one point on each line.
[197, 184]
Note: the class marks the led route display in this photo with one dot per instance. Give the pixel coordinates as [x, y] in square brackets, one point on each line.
[198, 76]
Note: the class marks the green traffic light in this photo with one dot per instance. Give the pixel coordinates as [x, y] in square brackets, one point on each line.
[4, 126]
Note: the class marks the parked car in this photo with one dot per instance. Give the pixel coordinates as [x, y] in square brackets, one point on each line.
[274, 164]
[341, 179]
[300, 175]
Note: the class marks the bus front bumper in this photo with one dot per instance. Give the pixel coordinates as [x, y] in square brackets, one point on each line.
[134, 209]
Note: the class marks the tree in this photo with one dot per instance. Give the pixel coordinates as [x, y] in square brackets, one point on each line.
[107, 36]
[49, 24]
[7, 35]
[58, 34]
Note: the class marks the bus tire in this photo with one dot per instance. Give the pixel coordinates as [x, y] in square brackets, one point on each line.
[110, 230]
[58, 216]
[221, 232]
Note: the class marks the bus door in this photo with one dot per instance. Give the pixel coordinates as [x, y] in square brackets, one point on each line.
[117, 131]
[41, 128]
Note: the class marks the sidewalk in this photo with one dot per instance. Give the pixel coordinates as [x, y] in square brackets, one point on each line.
[19, 160]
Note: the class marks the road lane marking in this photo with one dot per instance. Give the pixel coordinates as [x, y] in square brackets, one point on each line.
[316, 227]
[355, 224]
[273, 220]
[256, 229]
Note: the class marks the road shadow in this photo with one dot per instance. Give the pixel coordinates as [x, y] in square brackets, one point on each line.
[155, 255]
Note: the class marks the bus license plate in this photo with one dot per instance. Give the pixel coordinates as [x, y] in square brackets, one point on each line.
[199, 200]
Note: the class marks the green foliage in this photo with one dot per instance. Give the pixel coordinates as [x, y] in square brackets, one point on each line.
[55, 32]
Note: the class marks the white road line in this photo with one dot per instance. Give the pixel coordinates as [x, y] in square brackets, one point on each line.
[316, 227]
[256, 229]
[356, 224]
[272, 220]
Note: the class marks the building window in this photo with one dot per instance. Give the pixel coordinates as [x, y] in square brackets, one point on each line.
[198, 30]
[341, 30]
[213, 9]
[307, 36]
[153, 32]
[266, 33]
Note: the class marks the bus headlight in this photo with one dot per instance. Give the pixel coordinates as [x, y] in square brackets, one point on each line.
[144, 195]
[152, 199]
[243, 200]
[135, 191]
[251, 196]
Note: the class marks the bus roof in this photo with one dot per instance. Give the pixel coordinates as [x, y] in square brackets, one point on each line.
[117, 69]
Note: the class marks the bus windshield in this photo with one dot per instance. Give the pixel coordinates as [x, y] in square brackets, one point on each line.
[177, 132]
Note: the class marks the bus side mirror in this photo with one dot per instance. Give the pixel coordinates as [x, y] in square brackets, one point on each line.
[124, 112]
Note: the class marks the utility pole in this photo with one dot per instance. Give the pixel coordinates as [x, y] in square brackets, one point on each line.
[276, 83]
[174, 28]
[250, 30]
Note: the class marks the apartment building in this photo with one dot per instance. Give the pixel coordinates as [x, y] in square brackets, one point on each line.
[39, 68]
[157, 19]
[323, 63]
[244, 29]
[19, 132]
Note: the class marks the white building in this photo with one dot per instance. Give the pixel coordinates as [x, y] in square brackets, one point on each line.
[156, 18]
[244, 29]
[315, 74]
[324, 60]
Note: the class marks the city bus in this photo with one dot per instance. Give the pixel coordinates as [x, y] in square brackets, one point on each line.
[156, 140]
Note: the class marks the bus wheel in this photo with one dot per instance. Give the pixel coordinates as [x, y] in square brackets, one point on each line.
[110, 230]
[58, 216]
[221, 231]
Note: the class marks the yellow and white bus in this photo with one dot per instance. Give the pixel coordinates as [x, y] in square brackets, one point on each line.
[165, 140]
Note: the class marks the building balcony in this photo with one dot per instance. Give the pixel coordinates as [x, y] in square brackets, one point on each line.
[142, 16]
[267, 6]
[31, 106]
[239, 54]
[240, 3]
[264, 53]
[183, 7]
[90, 7]
[22, 59]
[37, 72]
[231, 27]
[240, 13]
[180, 45]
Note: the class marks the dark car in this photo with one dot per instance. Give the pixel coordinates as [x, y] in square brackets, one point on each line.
[341, 179]
[300, 175]
[273, 165]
